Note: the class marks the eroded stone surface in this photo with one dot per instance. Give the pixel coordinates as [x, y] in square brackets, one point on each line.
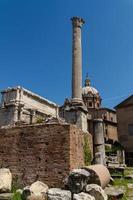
[6, 196]
[39, 188]
[5, 180]
[96, 191]
[58, 194]
[83, 196]
[36, 144]
[37, 191]
[115, 191]
[77, 180]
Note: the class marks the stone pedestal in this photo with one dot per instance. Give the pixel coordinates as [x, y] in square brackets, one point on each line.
[75, 114]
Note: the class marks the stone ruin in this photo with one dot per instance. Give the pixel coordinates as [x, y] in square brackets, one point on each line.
[77, 186]
[19, 105]
[40, 140]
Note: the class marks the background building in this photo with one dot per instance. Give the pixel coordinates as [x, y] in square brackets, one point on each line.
[21, 105]
[92, 100]
[125, 127]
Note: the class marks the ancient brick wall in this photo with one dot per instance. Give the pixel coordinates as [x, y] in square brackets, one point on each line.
[41, 152]
[76, 148]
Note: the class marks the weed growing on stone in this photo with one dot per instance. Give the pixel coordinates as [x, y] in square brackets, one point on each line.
[16, 196]
[87, 151]
[15, 186]
[123, 183]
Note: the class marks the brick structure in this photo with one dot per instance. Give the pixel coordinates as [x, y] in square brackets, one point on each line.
[124, 112]
[45, 152]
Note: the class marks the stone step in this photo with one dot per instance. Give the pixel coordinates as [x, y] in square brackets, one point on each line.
[6, 196]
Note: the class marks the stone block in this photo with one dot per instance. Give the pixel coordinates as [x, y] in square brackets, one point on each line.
[83, 196]
[59, 194]
[96, 191]
[5, 180]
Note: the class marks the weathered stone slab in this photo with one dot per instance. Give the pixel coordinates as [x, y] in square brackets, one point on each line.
[96, 191]
[38, 188]
[58, 194]
[115, 191]
[34, 197]
[5, 180]
[6, 196]
[83, 196]
[37, 191]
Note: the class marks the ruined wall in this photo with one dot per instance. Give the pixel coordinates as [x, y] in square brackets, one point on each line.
[6, 115]
[125, 131]
[76, 148]
[125, 119]
[41, 152]
[111, 131]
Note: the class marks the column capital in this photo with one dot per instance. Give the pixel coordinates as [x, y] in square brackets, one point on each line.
[77, 21]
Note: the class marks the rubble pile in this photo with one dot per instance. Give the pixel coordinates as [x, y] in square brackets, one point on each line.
[87, 183]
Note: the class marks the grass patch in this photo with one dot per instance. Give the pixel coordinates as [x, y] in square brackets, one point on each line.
[128, 171]
[87, 151]
[15, 186]
[122, 182]
[16, 196]
[39, 120]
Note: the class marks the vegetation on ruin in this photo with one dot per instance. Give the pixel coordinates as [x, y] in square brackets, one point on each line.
[128, 171]
[108, 149]
[113, 148]
[87, 151]
[16, 196]
[15, 186]
[39, 120]
[123, 182]
[117, 147]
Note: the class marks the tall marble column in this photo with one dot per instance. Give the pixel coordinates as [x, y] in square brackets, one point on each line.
[74, 110]
[77, 60]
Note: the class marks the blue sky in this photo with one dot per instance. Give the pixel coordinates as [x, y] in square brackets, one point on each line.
[35, 46]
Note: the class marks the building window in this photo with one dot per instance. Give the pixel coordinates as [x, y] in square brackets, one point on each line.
[130, 129]
[105, 117]
[106, 132]
[98, 105]
[90, 104]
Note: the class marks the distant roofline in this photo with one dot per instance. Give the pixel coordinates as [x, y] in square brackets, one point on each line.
[31, 93]
[109, 109]
[124, 101]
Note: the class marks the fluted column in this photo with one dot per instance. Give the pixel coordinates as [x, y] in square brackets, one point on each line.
[77, 59]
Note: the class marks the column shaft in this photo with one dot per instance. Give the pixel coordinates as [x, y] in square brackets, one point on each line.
[99, 145]
[77, 59]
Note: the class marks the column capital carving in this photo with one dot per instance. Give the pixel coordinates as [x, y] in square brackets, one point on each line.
[77, 21]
